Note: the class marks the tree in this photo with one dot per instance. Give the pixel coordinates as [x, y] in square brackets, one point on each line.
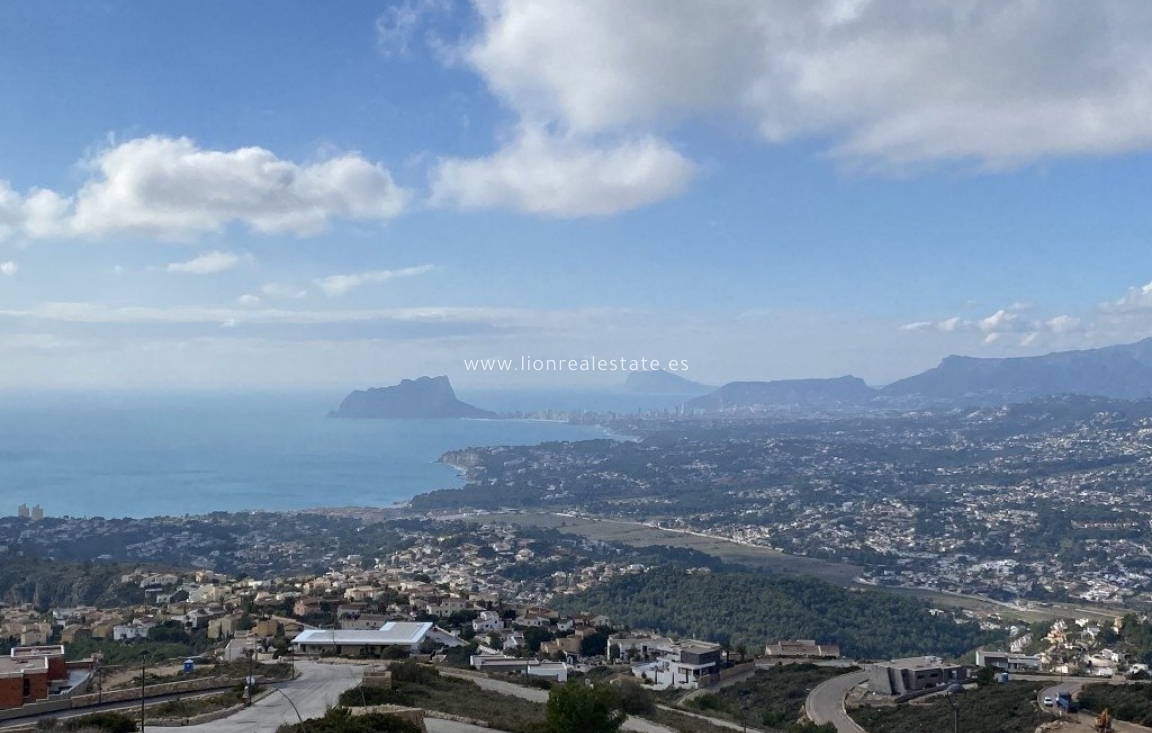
[594, 644]
[635, 699]
[575, 707]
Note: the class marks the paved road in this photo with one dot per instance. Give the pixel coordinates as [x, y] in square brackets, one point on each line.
[825, 704]
[1086, 720]
[532, 694]
[1053, 691]
[313, 692]
[714, 721]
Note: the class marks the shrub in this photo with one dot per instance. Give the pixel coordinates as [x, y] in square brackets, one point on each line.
[635, 699]
[361, 696]
[575, 707]
[339, 721]
[412, 671]
[106, 722]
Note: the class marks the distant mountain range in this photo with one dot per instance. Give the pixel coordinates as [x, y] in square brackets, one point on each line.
[1120, 372]
[796, 393]
[660, 382]
[1123, 372]
[426, 397]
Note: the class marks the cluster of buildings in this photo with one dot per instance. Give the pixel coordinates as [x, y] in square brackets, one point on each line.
[976, 503]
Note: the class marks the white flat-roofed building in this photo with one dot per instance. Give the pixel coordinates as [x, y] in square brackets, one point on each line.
[409, 635]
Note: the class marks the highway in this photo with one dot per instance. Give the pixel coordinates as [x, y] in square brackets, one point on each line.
[825, 704]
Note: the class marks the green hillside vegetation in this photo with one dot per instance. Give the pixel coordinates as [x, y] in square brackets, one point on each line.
[748, 609]
[774, 697]
[1126, 702]
[340, 721]
[65, 584]
[994, 708]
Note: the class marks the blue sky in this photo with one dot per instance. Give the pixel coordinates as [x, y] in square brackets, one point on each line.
[293, 195]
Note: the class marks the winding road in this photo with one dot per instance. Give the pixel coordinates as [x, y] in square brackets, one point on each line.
[825, 704]
[316, 689]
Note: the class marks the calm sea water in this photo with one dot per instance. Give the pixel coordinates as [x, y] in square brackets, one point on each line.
[134, 455]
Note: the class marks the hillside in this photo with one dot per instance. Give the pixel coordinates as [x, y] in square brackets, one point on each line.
[62, 584]
[1122, 372]
[754, 609]
[842, 392]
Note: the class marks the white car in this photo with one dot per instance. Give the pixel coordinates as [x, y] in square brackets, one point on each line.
[1048, 701]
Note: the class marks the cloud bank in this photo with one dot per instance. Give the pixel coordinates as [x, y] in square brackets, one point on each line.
[171, 189]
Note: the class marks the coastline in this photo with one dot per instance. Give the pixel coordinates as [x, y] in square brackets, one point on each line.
[185, 456]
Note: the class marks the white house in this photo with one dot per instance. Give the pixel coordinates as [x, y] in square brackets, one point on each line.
[134, 630]
[487, 621]
[409, 635]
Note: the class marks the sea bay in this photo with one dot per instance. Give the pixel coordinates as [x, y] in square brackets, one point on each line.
[128, 454]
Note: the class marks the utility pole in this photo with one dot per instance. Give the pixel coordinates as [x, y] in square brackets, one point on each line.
[953, 694]
[248, 683]
[143, 671]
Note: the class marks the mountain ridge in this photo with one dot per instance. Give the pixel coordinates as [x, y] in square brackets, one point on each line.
[1120, 371]
[847, 391]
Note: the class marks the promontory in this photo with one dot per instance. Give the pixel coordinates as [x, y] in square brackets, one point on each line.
[425, 397]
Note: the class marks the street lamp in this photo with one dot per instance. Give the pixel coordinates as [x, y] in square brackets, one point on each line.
[953, 693]
[251, 654]
[143, 671]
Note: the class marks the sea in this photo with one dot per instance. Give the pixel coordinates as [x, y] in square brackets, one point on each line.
[137, 454]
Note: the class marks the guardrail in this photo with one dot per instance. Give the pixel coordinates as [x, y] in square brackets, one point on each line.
[92, 699]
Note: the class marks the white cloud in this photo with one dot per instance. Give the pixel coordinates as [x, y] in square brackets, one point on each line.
[893, 83]
[397, 25]
[951, 324]
[1063, 324]
[1000, 321]
[917, 326]
[207, 263]
[9, 268]
[248, 300]
[1135, 299]
[169, 188]
[543, 174]
[505, 319]
[281, 290]
[341, 284]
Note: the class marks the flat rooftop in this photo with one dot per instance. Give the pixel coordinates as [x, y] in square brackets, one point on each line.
[394, 633]
[10, 667]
